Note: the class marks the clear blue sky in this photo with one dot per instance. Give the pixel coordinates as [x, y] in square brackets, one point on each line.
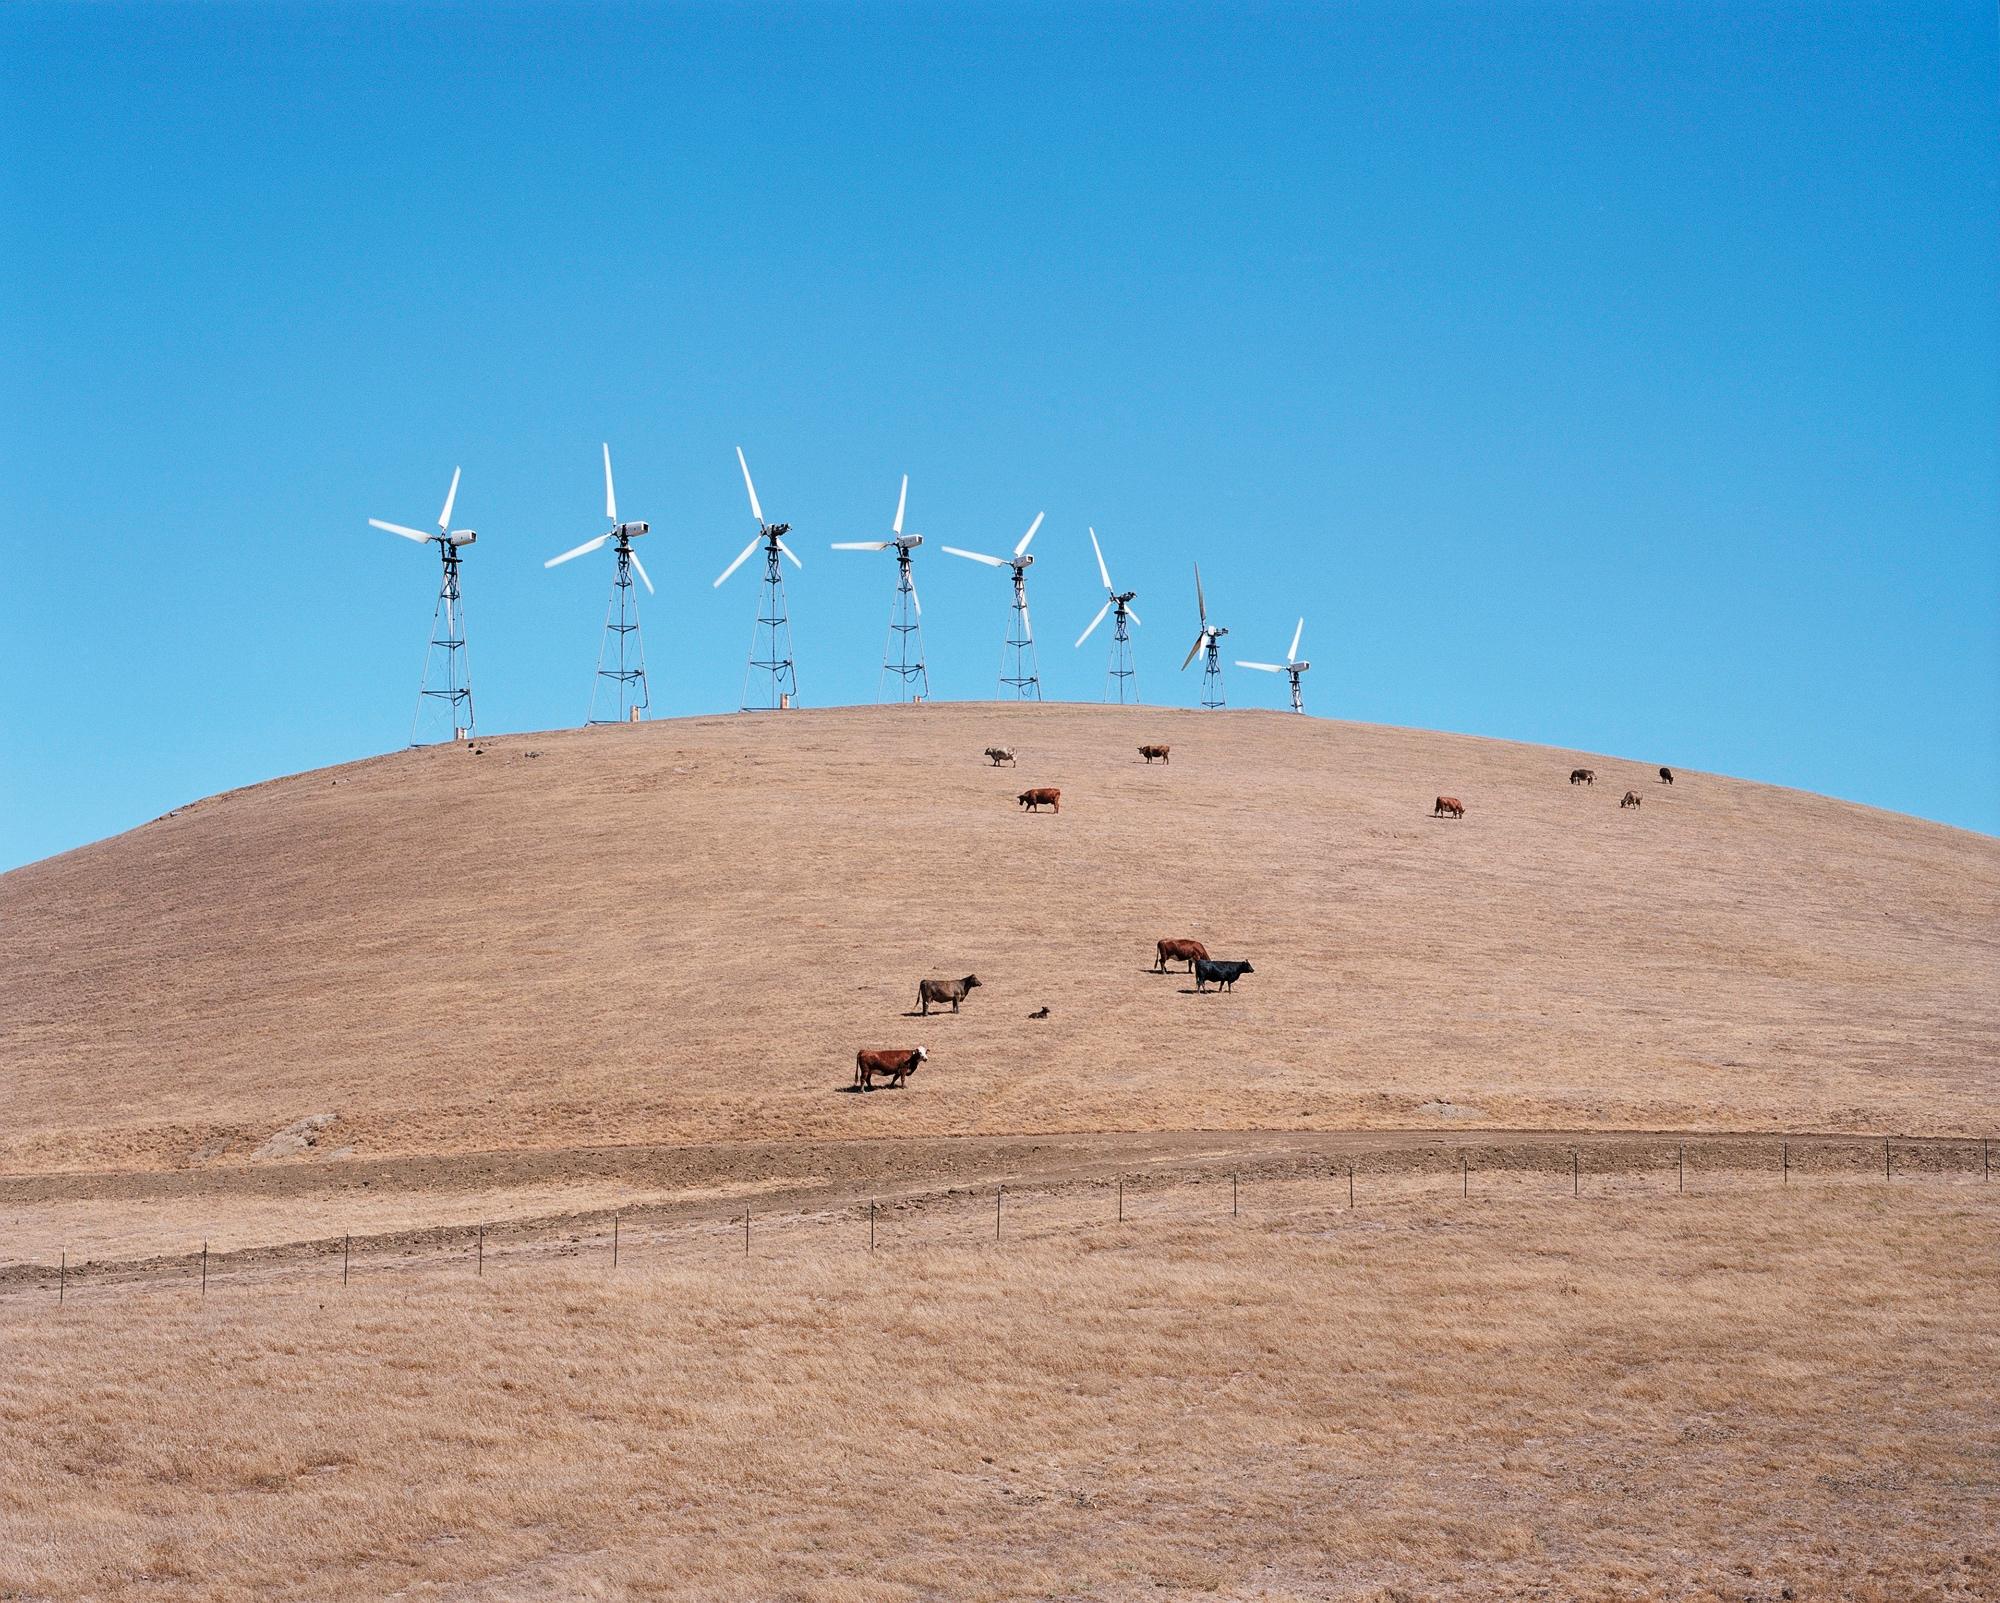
[1624, 377]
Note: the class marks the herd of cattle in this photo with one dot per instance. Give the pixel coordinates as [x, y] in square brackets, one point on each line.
[894, 1065]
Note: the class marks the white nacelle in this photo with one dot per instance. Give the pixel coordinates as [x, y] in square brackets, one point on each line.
[632, 531]
[464, 536]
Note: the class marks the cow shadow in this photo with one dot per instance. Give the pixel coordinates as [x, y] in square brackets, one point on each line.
[863, 1090]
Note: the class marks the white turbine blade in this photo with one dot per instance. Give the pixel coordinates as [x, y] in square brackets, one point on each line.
[610, 500]
[1268, 667]
[1103, 572]
[397, 528]
[915, 600]
[742, 558]
[1094, 622]
[1021, 550]
[755, 510]
[974, 556]
[1200, 640]
[1131, 614]
[1292, 655]
[639, 568]
[902, 501]
[788, 552]
[1027, 623]
[585, 549]
[1200, 601]
[451, 495]
[862, 545]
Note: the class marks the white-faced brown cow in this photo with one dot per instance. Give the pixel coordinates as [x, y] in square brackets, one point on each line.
[997, 755]
[1035, 800]
[1188, 952]
[1448, 807]
[943, 991]
[1163, 753]
[893, 1064]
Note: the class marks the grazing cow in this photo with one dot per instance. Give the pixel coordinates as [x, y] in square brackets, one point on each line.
[892, 1064]
[1631, 799]
[1448, 807]
[997, 755]
[1035, 800]
[1164, 753]
[1666, 776]
[943, 991]
[1223, 974]
[1583, 776]
[1188, 952]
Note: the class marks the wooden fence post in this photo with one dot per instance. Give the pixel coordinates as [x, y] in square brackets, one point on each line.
[345, 1243]
[62, 1277]
[1350, 1186]
[1121, 1199]
[996, 1211]
[871, 1224]
[482, 1250]
[1464, 1177]
[1575, 1173]
[614, 1241]
[1885, 1157]
[1785, 1158]
[1232, 1193]
[1684, 1168]
[204, 1268]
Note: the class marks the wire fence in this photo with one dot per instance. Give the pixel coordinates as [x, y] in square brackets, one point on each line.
[1296, 1188]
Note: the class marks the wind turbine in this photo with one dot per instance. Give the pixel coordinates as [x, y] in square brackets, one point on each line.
[1207, 642]
[771, 637]
[1290, 665]
[1122, 673]
[1017, 657]
[906, 612]
[622, 643]
[449, 681]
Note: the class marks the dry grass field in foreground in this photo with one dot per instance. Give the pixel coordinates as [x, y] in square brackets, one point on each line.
[1762, 1397]
[681, 931]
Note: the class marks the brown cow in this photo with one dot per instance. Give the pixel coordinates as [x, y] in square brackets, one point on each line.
[894, 1064]
[1178, 951]
[1448, 806]
[1583, 776]
[1164, 753]
[1035, 800]
[943, 991]
[997, 755]
[1631, 799]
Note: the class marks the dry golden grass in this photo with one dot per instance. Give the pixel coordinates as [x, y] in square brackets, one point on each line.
[680, 932]
[1752, 1396]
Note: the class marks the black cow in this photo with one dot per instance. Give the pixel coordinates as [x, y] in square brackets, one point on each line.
[1666, 776]
[1222, 974]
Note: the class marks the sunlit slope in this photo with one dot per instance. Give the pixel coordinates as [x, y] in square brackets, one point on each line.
[683, 930]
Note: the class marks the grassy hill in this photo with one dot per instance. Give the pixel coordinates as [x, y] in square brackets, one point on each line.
[681, 932]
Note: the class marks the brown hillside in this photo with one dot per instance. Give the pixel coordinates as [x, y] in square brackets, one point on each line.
[682, 931]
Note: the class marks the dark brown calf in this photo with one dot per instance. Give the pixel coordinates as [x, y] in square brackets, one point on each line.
[1631, 799]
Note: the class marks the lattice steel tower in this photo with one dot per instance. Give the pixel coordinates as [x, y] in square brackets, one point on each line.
[1121, 680]
[620, 686]
[771, 680]
[903, 652]
[444, 694]
[1018, 669]
[1207, 642]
